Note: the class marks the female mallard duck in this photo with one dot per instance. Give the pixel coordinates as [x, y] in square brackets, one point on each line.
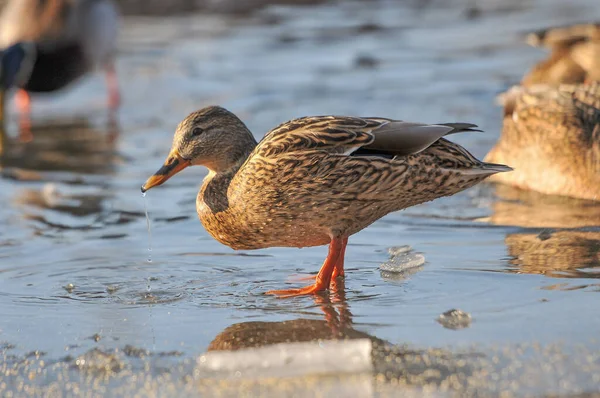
[552, 138]
[51, 43]
[574, 57]
[315, 180]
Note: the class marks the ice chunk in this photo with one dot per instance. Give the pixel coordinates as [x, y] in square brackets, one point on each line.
[292, 359]
[455, 319]
[402, 259]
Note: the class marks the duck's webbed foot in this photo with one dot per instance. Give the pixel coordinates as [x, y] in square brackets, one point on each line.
[331, 269]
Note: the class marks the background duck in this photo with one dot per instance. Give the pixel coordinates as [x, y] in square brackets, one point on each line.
[49, 44]
[574, 56]
[316, 180]
[551, 136]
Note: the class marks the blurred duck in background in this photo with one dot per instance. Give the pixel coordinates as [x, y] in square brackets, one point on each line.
[551, 136]
[48, 44]
[574, 57]
[551, 125]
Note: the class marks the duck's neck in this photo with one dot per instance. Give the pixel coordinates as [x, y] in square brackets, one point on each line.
[214, 189]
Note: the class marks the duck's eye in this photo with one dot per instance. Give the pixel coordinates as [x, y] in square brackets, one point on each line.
[197, 131]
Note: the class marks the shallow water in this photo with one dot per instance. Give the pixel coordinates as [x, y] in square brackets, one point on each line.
[74, 270]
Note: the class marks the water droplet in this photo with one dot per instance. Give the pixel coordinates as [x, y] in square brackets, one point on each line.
[149, 228]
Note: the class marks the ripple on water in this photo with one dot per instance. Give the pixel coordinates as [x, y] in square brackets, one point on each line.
[154, 297]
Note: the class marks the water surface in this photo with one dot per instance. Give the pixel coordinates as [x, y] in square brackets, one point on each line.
[74, 274]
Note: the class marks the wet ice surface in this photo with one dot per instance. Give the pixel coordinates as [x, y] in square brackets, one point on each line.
[74, 273]
[358, 368]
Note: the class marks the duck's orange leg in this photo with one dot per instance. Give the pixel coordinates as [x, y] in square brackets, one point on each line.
[23, 102]
[114, 97]
[323, 279]
[338, 270]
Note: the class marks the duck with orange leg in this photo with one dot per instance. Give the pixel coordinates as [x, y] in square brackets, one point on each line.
[315, 180]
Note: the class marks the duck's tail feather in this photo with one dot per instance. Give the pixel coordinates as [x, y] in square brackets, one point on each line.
[487, 169]
[461, 127]
[457, 158]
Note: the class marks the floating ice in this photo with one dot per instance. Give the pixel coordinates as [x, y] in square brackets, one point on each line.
[455, 319]
[402, 259]
[396, 250]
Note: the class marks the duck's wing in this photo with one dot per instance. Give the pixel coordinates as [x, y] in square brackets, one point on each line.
[399, 138]
[581, 103]
[563, 120]
[539, 101]
[355, 136]
[332, 134]
[589, 95]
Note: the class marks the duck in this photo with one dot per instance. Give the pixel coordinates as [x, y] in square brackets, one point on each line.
[574, 55]
[551, 136]
[315, 180]
[48, 44]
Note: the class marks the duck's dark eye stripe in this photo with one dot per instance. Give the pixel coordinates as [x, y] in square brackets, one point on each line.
[197, 131]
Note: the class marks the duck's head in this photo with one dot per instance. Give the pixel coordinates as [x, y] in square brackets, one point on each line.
[16, 64]
[212, 137]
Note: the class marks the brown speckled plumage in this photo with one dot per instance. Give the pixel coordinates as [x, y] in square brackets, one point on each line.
[551, 136]
[313, 180]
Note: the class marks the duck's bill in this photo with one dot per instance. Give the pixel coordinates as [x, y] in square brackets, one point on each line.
[173, 165]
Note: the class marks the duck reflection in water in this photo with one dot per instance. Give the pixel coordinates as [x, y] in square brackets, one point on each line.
[70, 145]
[530, 209]
[400, 364]
[337, 325]
[64, 159]
[561, 254]
[565, 241]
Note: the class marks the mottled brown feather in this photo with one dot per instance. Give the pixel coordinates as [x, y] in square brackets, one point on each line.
[552, 138]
